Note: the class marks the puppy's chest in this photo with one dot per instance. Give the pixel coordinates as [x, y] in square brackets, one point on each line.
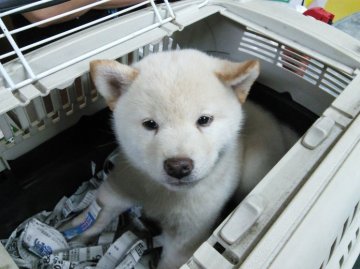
[193, 207]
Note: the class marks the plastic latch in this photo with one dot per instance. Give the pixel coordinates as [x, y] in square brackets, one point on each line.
[243, 218]
[208, 258]
[318, 132]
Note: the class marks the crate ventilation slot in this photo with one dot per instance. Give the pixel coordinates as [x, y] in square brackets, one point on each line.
[315, 72]
[34, 115]
[343, 244]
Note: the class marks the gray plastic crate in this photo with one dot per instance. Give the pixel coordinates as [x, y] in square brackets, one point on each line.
[304, 213]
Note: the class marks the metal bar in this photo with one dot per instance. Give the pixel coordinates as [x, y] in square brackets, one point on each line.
[157, 13]
[91, 53]
[16, 48]
[35, 24]
[75, 29]
[169, 8]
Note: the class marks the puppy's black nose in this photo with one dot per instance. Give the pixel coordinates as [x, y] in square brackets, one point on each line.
[178, 167]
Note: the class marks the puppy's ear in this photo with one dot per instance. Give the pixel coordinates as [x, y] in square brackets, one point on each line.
[239, 76]
[111, 79]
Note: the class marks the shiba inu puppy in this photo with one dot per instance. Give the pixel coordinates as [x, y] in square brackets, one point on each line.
[178, 117]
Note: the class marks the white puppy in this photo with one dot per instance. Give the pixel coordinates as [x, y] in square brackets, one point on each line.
[177, 118]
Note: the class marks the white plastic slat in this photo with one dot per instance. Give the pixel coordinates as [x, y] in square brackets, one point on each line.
[55, 100]
[156, 47]
[39, 108]
[258, 50]
[7, 100]
[146, 50]
[165, 44]
[5, 127]
[86, 87]
[22, 116]
[135, 55]
[90, 91]
[256, 54]
[72, 93]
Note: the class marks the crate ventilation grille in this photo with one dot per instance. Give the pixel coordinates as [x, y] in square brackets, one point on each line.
[315, 72]
[35, 115]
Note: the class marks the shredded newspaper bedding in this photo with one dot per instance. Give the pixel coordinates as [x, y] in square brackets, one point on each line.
[126, 243]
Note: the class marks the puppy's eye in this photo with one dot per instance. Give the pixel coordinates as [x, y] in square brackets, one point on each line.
[204, 121]
[150, 125]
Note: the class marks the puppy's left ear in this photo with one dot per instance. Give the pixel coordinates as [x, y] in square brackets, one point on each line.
[239, 76]
[111, 79]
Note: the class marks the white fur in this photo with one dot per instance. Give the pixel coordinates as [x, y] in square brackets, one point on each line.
[175, 89]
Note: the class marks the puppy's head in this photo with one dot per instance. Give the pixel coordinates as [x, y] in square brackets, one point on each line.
[176, 113]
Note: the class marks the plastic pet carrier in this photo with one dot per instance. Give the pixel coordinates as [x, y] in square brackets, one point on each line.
[305, 211]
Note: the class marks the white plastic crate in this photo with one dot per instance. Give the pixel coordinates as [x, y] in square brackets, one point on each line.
[304, 213]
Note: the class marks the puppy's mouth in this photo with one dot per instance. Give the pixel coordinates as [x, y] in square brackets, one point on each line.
[181, 183]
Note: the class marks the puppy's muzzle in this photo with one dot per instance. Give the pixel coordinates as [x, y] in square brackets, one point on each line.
[178, 167]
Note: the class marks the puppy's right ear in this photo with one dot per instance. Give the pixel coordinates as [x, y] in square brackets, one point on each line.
[111, 79]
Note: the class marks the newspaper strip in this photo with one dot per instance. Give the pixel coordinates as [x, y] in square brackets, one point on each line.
[73, 258]
[41, 239]
[117, 251]
[36, 244]
[89, 220]
[80, 200]
[93, 253]
[24, 253]
[133, 256]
